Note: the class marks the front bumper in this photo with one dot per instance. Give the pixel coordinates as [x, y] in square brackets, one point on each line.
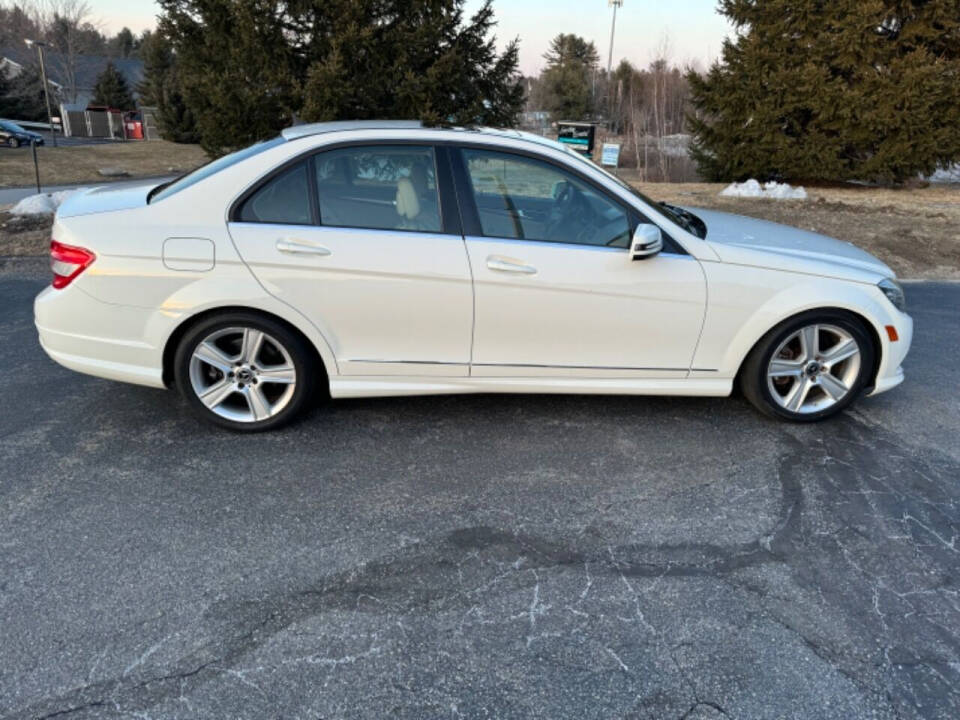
[890, 373]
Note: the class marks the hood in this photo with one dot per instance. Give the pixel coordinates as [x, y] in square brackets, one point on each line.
[106, 198]
[758, 242]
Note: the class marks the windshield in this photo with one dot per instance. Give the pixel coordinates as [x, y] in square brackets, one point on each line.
[7, 125]
[204, 171]
[685, 219]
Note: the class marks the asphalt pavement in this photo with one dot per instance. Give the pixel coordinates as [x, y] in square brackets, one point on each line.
[477, 556]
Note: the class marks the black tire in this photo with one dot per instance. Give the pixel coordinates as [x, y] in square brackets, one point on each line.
[753, 374]
[13, 142]
[308, 370]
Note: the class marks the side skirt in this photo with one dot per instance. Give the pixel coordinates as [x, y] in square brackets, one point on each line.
[369, 386]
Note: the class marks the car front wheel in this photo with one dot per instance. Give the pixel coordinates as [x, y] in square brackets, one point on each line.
[810, 367]
[245, 372]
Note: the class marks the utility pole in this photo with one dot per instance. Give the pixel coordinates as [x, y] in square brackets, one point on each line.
[46, 90]
[613, 29]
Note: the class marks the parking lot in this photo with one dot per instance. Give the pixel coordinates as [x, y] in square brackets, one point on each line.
[478, 556]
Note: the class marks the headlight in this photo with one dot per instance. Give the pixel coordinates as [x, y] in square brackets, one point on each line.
[894, 293]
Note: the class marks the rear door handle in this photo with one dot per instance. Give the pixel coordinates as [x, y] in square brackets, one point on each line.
[296, 247]
[502, 264]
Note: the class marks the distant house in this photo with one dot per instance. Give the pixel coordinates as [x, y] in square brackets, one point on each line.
[75, 85]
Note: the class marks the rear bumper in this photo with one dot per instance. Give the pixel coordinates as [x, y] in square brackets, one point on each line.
[83, 334]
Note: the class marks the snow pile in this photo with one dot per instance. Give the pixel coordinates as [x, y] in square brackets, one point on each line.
[42, 204]
[946, 175]
[772, 190]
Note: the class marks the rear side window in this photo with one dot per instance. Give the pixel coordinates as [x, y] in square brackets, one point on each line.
[284, 200]
[380, 187]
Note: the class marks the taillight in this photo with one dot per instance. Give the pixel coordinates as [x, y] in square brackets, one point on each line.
[67, 262]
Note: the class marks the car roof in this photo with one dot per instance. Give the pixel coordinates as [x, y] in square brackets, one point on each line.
[309, 129]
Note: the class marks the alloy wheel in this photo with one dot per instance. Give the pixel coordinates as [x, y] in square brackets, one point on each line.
[814, 368]
[242, 374]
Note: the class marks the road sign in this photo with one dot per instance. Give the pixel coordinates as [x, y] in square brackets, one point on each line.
[578, 135]
[610, 156]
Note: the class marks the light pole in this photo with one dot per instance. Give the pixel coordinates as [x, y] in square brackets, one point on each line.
[46, 90]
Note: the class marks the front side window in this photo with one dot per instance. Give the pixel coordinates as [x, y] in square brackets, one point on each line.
[284, 199]
[381, 187]
[525, 199]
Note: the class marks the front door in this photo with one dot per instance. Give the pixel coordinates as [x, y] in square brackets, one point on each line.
[555, 290]
[355, 239]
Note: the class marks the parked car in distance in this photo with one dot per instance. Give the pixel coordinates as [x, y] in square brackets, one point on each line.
[383, 258]
[13, 135]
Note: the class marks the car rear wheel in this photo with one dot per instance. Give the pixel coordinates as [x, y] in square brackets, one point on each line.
[810, 367]
[245, 372]
[13, 142]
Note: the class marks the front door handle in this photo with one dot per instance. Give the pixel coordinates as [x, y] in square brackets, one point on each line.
[502, 264]
[295, 247]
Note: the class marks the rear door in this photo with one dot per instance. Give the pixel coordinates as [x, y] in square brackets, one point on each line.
[366, 241]
[556, 292]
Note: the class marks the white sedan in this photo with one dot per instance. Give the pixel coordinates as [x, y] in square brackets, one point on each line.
[383, 258]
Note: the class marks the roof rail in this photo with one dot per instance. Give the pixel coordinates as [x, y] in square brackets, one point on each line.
[299, 131]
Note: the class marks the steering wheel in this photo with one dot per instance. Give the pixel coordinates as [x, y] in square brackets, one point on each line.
[571, 214]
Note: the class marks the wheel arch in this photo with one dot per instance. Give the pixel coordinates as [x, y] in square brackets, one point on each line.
[869, 326]
[173, 340]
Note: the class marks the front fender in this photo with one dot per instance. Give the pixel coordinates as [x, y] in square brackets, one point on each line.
[746, 303]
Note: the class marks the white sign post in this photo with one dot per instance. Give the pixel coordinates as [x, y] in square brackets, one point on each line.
[610, 156]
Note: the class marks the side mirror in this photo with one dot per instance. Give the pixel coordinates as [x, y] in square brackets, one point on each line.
[647, 242]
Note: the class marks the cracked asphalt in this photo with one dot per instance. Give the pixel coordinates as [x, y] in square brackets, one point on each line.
[508, 557]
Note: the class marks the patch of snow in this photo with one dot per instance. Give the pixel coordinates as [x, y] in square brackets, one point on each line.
[42, 204]
[771, 190]
[946, 175]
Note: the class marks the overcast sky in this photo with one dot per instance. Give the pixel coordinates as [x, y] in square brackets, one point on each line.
[694, 29]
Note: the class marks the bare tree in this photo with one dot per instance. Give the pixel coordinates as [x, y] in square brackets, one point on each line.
[70, 32]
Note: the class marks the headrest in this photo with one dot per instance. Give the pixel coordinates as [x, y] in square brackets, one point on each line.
[408, 205]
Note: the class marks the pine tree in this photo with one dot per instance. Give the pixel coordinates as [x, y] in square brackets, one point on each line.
[567, 81]
[247, 70]
[840, 90]
[111, 89]
[160, 88]
[8, 103]
[24, 98]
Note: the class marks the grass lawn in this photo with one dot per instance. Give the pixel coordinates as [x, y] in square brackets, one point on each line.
[80, 163]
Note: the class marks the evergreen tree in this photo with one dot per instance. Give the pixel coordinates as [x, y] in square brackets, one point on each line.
[123, 45]
[24, 98]
[160, 88]
[568, 80]
[566, 49]
[111, 89]
[7, 100]
[840, 90]
[247, 69]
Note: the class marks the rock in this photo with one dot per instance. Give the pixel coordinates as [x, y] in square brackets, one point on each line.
[113, 172]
